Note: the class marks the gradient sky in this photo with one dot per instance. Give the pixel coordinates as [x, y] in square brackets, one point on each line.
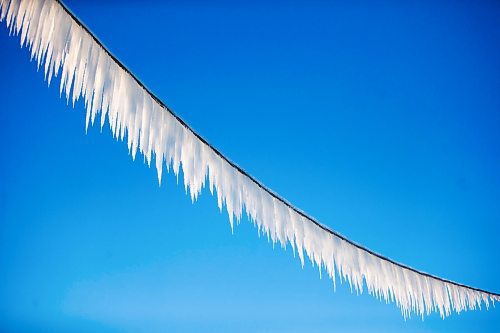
[382, 121]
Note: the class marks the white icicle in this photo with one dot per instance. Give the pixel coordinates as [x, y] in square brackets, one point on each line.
[62, 46]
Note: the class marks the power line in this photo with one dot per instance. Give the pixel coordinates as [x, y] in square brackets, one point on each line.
[242, 171]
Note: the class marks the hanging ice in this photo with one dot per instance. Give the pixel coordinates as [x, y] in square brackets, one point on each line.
[64, 47]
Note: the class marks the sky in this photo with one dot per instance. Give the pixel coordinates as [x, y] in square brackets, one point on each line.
[380, 120]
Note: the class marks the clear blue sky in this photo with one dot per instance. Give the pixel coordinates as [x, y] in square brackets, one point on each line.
[382, 121]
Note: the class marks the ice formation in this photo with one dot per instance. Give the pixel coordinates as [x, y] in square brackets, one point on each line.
[65, 48]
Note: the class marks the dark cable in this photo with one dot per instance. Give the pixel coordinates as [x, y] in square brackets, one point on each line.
[275, 195]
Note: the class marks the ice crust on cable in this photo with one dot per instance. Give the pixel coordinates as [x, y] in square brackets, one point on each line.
[63, 48]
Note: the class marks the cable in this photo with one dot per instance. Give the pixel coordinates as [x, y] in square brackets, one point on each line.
[234, 165]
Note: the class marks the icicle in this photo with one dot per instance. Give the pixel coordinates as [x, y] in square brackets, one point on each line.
[59, 43]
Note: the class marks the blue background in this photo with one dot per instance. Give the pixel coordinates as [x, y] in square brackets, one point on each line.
[381, 120]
